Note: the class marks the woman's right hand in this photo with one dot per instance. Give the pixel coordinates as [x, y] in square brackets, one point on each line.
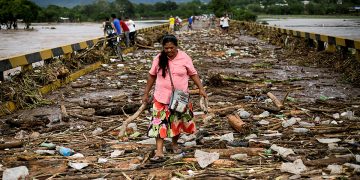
[145, 98]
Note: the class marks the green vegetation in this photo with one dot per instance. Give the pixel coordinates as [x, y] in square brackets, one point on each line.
[13, 10]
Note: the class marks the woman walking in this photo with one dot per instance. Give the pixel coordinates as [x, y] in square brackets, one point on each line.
[171, 69]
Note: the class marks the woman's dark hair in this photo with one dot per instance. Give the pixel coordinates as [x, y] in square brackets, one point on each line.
[163, 58]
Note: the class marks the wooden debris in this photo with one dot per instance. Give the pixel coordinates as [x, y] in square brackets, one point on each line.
[235, 122]
[275, 100]
[16, 144]
[226, 153]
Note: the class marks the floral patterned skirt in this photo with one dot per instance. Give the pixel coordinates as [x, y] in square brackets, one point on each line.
[167, 124]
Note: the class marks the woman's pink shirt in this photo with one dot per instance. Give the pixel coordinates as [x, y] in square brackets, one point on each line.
[181, 68]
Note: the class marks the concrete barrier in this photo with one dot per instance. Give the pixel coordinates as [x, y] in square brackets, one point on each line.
[320, 41]
[26, 60]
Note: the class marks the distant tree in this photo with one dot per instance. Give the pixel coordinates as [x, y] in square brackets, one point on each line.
[220, 7]
[243, 15]
[11, 10]
[123, 8]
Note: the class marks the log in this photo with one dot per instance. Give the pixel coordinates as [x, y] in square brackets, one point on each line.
[195, 91]
[325, 162]
[219, 162]
[16, 144]
[64, 114]
[80, 84]
[131, 118]
[85, 118]
[235, 122]
[225, 111]
[117, 110]
[270, 109]
[226, 153]
[275, 100]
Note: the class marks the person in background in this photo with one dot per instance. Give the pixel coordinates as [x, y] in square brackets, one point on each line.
[126, 30]
[116, 24]
[166, 123]
[171, 24]
[107, 27]
[225, 25]
[190, 21]
[221, 23]
[177, 23]
[131, 25]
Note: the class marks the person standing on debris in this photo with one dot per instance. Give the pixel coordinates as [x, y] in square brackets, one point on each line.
[167, 123]
[131, 25]
[177, 23]
[225, 25]
[126, 30]
[190, 20]
[116, 24]
[107, 27]
[171, 24]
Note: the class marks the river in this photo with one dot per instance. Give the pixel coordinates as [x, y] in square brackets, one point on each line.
[348, 28]
[51, 35]
[15, 42]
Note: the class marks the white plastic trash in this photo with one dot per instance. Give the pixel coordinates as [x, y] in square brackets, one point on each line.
[296, 168]
[16, 173]
[78, 166]
[117, 153]
[204, 158]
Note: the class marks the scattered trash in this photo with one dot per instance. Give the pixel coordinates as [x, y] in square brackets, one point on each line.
[264, 114]
[64, 151]
[328, 140]
[284, 152]
[300, 130]
[102, 160]
[48, 145]
[290, 122]
[227, 137]
[335, 169]
[204, 158]
[96, 131]
[117, 153]
[16, 173]
[78, 166]
[77, 155]
[244, 114]
[239, 157]
[46, 152]
[297, 167]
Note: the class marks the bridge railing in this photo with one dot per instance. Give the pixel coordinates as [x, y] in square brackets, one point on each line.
[320, 41]
[25, 61]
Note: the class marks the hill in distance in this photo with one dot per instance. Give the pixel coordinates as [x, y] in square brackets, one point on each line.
[72, 3]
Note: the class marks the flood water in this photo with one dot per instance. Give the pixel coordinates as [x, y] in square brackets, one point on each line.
[16, 42]
[348, 28]
[45, 36]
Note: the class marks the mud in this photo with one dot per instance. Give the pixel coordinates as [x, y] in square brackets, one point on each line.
[238, 72]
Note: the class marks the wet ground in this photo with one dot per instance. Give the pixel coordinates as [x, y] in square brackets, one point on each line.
[317, 126]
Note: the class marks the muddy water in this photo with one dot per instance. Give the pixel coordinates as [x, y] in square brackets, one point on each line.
[45, 36]
[349, 28]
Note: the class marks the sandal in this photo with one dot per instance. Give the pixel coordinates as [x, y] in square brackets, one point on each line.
[158, 159]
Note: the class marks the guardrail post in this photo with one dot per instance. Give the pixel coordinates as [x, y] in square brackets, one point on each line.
[343, 52]
[310, 43]
[320, 46]
[357, 54]
[2, 76]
